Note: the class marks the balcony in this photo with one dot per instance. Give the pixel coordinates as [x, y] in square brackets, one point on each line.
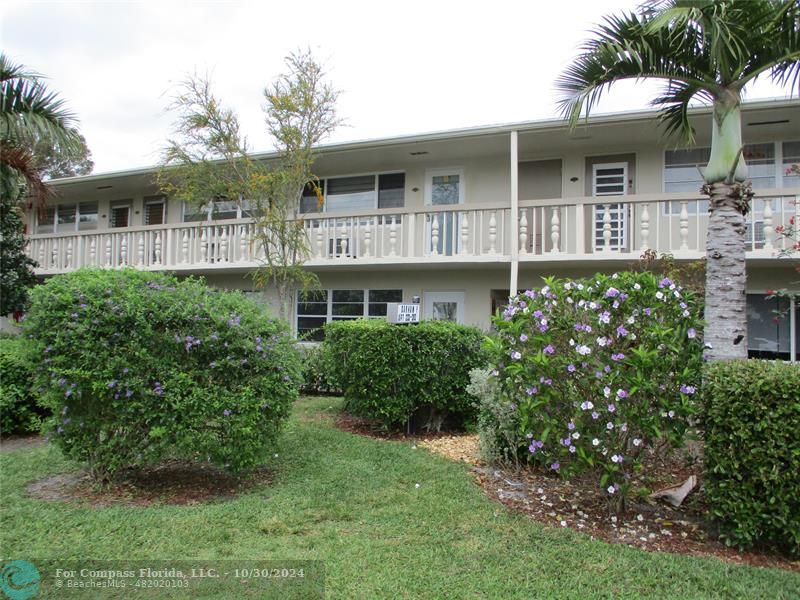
[556, 230]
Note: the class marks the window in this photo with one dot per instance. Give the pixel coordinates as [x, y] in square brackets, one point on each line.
[316, 308]
[155, 210]
[68, 217]
[361, 192]
[218, 210]
[769, 327]
[120, 215]
[683, 171]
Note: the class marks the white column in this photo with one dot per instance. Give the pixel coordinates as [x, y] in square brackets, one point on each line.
[514, 213]
[435, 234]
[493, 233]
[684, 225]
[464, 216]
[645, 233]
[769, 231]
[523, 232]
[555, 230]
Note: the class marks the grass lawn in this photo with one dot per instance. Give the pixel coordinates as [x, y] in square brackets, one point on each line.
[352, 502]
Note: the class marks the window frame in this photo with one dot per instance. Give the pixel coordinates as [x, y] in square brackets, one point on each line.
[330, 317]
[76, 228]
[323, 183]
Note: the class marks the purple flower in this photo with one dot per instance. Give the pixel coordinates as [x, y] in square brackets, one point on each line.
[516, 355]
[609, 426]
[611, 408]
[529, 293]
[621, 331]
[538, 314]
[258, 340]
[213, 364]
[234, 321]
[571, 368]
[618, 356]
[666, 282]
[687, 389]
[128, 393]
[605, 317]
[549, 349]
[125, 371]
[226, 412]
[691, 333]
[622, 394]
[595, 415]
[647, 311]
[571, 425]
[532, 390]
[62, 382]
[68, 393]
[523, 338]
[612, 293]
[543, 327]
[509, 312]
[46, 350]
[555, 466]
[572, 449]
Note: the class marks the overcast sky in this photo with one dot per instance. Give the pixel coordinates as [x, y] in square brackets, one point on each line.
[402, 67]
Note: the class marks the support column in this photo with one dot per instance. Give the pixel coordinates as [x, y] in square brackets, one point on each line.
[514, 216]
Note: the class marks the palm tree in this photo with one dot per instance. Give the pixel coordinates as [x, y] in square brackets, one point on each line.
[707, 51]
[30, 115]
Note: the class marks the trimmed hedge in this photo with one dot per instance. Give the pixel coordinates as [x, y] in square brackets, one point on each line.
[18, 410]
[392, 373]
[138, 367]
[752, 452]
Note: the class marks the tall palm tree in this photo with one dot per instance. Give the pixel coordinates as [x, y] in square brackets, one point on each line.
[29, 115]
[707, 51]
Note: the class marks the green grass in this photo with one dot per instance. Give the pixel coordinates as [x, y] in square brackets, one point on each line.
[352, 502]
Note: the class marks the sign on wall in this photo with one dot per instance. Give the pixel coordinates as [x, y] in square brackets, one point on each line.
[402, 313]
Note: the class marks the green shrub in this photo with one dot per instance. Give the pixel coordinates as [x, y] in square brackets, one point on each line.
[140, 366]
[601, 371]
[317, 376]
[393, 372]
[498, 421]
[752, 451]
[18, 410]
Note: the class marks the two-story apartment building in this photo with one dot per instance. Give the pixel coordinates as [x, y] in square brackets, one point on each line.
[460, 218]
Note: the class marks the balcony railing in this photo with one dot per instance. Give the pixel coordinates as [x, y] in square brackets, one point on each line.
[588, 228]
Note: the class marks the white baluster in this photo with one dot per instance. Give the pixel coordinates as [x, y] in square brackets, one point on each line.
[108, 251]
[435, 234]
[93, 251]
[768, 229]
[123, 250]
[464, 232]
[68, 257]
[368, 237]
[684, 225]
[555, 230]
[343, 240]
[140, 249]
[243, 243]
[320, 249]
[185, 247]
[645, 226]
[54, 255]
[41, 252]
[157, 248]
[523, 232]
[204, 245]
[606, 227]
[393, 236]
[493, 233]
[223, 245]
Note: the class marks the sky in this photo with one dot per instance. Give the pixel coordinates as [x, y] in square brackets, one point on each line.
[401, 67]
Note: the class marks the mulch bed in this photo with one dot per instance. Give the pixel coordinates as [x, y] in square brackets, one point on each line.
[173, 482]
[580, 505]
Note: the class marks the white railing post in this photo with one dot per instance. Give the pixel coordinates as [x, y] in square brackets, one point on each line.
[555, 230]
[185, 246]
[645, 224]
[464, 216]
[368, 237]
[580, 229]
[344, 240]
[157, 248]
[140, 249]
[68, 254]
[493, 233]
[93, 251]
[606, 228]
[769, 231]
[204, 245]
[108, 250]
[54, 255]
[409, 222]
[684, 230]
[393, 236]
[223, 244]
[523, 231]
[123, 252]
[435, 234]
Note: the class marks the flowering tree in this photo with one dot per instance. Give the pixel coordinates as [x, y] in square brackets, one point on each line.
[600, 371]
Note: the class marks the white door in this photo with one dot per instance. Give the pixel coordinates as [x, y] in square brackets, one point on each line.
[610, 179]
[443, 306]
[443, 187]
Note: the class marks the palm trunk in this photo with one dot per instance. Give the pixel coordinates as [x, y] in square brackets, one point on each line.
[726, 276]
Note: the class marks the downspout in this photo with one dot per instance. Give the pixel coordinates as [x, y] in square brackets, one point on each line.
[514, 216]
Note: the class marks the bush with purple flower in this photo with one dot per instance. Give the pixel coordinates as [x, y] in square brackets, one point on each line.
[617, 344]
[174, 369]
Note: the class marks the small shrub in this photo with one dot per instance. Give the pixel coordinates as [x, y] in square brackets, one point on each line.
[317, 376]
[391, 372]
[19, 412]
[498, 421]
[139, 366]
[751, 418]
[600, 370]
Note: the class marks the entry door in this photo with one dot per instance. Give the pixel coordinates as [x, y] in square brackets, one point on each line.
[610, 179]
[444, 187]
[443, 306]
